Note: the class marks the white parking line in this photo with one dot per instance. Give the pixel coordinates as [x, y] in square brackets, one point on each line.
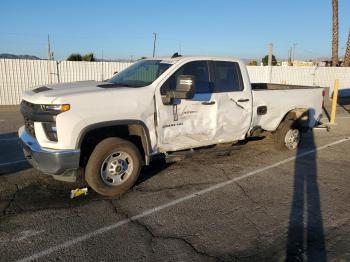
[27, 234]
[169, 204]
[14, 162]
[338, 117]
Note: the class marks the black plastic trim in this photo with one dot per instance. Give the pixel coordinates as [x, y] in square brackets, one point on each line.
[35, 113]
[126, 122]
[41, 89]
[261, 110]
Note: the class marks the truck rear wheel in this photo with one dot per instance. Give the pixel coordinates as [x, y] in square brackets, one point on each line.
[287, 135]
[113, 167]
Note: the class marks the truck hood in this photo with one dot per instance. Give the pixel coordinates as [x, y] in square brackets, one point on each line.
[47, 94]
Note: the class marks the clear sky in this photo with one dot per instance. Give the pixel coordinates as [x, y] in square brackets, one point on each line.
[239, 28]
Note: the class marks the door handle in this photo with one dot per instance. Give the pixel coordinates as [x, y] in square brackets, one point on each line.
[207, 103]
[243, 100]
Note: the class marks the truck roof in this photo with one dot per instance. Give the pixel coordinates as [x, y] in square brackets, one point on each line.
[173, 60]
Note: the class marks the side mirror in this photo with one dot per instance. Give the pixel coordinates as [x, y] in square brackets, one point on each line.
[185, 88]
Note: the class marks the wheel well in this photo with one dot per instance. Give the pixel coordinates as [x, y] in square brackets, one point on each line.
[134, 133]
[299, 115]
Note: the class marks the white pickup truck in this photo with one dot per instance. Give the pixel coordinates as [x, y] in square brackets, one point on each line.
[110, 129]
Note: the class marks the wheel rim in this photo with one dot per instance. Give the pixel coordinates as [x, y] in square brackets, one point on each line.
[292, 138]
[116, 168]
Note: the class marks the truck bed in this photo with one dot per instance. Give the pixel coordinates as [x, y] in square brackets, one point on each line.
[279, 99]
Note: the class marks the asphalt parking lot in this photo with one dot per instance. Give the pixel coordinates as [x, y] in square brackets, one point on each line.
[245, 202]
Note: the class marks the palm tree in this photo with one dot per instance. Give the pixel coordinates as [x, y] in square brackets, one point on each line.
[347, 53]
[335, 33]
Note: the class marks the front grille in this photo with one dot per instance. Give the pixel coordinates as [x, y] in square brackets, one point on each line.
[29, 126]
[34, 113]
[28, 106]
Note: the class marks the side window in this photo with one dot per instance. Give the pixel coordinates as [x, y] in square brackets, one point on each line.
[227, 77]
[199, 69]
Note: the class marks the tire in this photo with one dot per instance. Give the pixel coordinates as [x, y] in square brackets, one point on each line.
[113, 167]
[287, 135]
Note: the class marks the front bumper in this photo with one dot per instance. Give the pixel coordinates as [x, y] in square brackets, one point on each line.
[61, 164]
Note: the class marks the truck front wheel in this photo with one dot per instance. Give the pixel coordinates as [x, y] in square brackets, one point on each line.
[287, 135]
[113, 167]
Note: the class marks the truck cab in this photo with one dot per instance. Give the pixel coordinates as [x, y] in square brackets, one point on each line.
[156, 106]
[219, 110]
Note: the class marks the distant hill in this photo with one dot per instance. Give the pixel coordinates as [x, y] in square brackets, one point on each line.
[12, 56]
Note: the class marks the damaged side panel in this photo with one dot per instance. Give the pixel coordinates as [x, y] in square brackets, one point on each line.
[187, 123]
[280, 102]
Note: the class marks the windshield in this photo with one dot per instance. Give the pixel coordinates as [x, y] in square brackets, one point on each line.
[142, 73]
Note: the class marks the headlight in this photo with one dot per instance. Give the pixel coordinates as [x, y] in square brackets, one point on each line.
[56, 108]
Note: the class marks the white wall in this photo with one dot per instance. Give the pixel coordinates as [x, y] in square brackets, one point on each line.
[17, 75]
[319, 76]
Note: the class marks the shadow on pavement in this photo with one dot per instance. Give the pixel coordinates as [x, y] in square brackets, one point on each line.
[39, 191]
[11, 155]
[305, 218]
[156, 166]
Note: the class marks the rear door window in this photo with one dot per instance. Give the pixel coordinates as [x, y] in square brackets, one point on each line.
[228, 77]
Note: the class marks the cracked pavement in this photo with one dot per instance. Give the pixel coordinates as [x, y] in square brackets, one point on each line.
[255, 218]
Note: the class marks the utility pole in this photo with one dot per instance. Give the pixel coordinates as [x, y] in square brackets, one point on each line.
[58, 72]
[49, 54]
[269, 63]
[102, 75]
[49, 58]
[154, 43]
[290, 57]
[180, 51]
[269, 71]
[294, 45]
